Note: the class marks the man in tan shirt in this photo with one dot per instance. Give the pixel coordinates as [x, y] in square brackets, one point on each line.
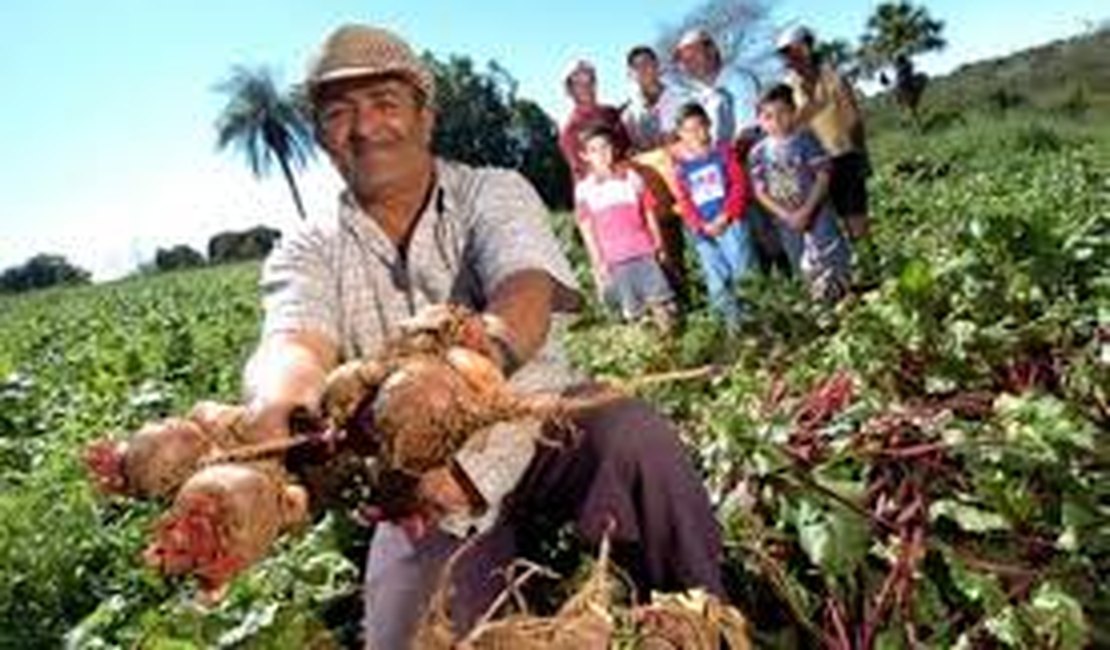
[827, 105]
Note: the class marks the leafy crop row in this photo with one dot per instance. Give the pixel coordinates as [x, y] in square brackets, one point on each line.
[925, 463]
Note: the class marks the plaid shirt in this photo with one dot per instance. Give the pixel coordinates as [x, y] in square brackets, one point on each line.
[344, 278]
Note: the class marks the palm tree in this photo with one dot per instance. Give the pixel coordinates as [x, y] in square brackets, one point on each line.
[896, 32]
[900, 29]
[265, 125]
[839, 54]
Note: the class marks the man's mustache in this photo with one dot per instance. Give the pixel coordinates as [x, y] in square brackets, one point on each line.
[364, 142]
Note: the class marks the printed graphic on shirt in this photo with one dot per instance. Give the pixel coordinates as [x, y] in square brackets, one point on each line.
[613, 209]
[707, 184]
[602, 194]
[705, 181]
[787, 169]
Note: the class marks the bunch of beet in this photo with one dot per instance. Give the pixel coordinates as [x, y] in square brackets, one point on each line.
[405, 411]
[223, 516]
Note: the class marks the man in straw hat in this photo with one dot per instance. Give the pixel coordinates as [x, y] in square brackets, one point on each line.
[413, 231]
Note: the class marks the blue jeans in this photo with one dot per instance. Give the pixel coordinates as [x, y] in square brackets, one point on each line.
[821, 256]
[725, 260]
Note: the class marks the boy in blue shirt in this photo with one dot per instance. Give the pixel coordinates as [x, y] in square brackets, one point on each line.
[790, 172]
[712, 193]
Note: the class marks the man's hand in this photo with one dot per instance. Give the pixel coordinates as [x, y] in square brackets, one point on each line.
[287, 370]
[798, 220]
[439, 494]
[268, 420]
[444, 494]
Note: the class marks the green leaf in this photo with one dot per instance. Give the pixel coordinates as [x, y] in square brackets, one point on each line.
[968, 517]
[1059, 619]
[977, 587]
[1006, 627]
[834, 539]
[1043, 421]
[916, 278]
[890, 640]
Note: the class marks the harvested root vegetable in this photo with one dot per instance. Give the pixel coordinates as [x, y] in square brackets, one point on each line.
[479, 372]
[158, 458]
[224, 423]
[428, 406]
[104, 462]
[153, 462]
[224, 519]
[445, 331]
[438, 327]
[347, 386]
[425, 411]
[592, 619]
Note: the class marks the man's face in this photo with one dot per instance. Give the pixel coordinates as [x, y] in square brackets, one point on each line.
[776, 118]
[795, 56]
[697, 61]
[644, 70]
[377, 131]
[582, 87]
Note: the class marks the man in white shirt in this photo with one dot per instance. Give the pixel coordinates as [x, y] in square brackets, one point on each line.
[413, 231]
[699, 59]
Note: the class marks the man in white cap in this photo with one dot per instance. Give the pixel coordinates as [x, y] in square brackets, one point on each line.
[699, 59]
[827, 105]
[414, 232]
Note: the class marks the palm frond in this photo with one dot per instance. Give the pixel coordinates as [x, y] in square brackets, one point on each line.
[264, 123]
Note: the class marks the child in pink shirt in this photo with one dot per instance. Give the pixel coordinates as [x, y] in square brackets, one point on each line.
[614, 210]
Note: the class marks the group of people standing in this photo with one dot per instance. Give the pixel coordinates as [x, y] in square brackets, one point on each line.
[671, 166]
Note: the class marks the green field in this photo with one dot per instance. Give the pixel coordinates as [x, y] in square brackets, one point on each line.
[980, 415]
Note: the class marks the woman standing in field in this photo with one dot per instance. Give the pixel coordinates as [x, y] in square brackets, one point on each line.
[580, 82]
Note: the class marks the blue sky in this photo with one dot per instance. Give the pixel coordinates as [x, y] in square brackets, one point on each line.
[108, 107]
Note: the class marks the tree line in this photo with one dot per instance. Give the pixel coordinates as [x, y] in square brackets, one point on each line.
[48, 269]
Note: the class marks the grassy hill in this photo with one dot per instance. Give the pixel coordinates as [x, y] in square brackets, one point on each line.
[1067, 77]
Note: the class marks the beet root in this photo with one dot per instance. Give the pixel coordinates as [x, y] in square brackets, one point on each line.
[424, 412]
[224, 519]
[152, 463]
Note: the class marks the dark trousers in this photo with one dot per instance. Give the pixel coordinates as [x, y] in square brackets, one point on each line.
[625, 471]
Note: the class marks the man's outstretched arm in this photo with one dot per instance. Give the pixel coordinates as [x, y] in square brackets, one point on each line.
[523, 303]
[286, 371]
